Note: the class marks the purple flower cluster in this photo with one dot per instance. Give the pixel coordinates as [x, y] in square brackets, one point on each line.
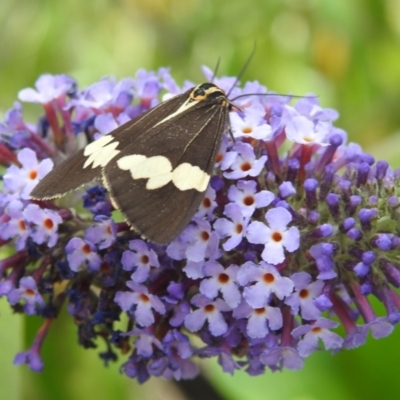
[297, 232]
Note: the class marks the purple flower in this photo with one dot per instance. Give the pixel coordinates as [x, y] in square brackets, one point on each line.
[141, 258]
[210, 311]
[259, 320]
[322, 253]
[103, 234]
[242, 162]
[142, 301]
[44, 224]
[15, 226]
[195, 243]
[78, 251]
[48, 88]
[24, 179]
[208, 205]
[106, 123]
[223, 280]
[301, 130]
[27, 291]
[264, 280]
[304, 295]
[234, 229]
[276, 237]
[252, 125]
[106, 92]
[30, 357]
[246, 196]
[311, 334]
[286, 357]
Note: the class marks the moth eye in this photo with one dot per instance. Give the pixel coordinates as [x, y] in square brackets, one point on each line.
[199, 92]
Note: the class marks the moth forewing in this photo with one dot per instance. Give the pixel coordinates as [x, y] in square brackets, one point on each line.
[86, 165]
[67, 176]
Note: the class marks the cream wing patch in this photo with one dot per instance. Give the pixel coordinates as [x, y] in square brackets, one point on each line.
[100, 152]
[187, 176]
[158, 171]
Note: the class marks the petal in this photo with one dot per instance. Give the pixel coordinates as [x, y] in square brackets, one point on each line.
[143, 314]
[44, 167]
[257, 326]
[232, 242]
[257, 233]
[283, 287]
[301, 279]
[257, 296]
[231, 295]
[141, 274]
[278, 218]
[291, 239]
[157, 304]
[128, 260]
[195, 320]
[209, 288]
[273, 253]
[217, 324]
[125, 300]
[264, 198]
[247, 273]
[274, 316]
[223, 227]
[307, 345]
[234, 212]
[27, 158]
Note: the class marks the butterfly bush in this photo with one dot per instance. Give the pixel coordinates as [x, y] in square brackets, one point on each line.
[297, 233]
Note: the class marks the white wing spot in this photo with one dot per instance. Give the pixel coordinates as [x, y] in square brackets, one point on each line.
[187, 176]
[97, 145]
[158, 171]
[156, 182]
[151, 167]
[128, 162]
[100, 152]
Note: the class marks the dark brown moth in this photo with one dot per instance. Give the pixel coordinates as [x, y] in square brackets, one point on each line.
[156, 167]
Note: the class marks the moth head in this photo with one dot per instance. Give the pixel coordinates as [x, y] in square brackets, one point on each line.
[206, 91]
[210, 93]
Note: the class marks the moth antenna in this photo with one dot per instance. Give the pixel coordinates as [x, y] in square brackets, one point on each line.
[216, 69]
[275, 94]
[243, 69]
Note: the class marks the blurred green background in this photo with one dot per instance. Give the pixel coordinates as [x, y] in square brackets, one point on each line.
[346, 51]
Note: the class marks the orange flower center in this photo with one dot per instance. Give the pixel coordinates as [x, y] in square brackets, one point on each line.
[245, 166]
[86, 249]
[205, 236]
[248, 200]
[269, 278]
[209, 308]
[144, 298]
[303, 293]
[48, 223]
[32, 174]
[206, 202]
[277, 236]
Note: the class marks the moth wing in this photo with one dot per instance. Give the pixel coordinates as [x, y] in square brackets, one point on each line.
[160, 208]
[74, 172]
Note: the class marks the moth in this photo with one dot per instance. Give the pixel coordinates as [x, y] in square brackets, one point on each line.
[156, 167]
